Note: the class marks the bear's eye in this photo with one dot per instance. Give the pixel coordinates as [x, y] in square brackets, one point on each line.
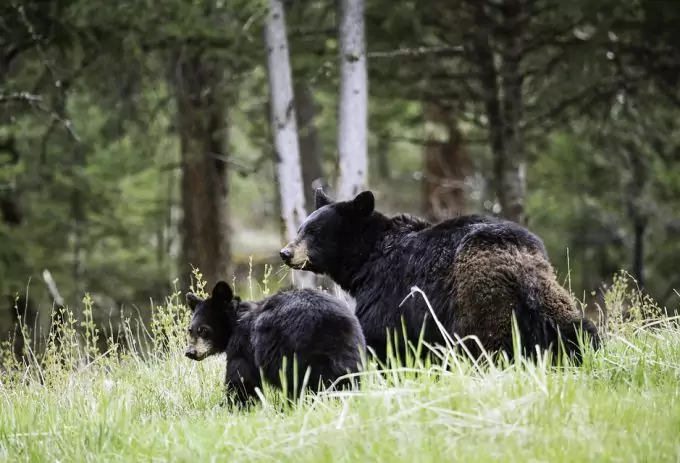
[202, 331]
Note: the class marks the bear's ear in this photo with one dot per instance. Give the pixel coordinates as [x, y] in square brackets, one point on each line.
[364, 203]
[320, 198]
[222, 292]
[193, 300]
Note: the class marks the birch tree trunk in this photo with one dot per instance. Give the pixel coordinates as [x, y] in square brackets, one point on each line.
[353, 106]
[284, 129]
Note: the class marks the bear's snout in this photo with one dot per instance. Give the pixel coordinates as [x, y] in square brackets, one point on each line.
[294, 254]
[191, 353]
[286, 254]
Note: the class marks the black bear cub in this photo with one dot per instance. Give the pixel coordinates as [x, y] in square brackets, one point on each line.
[317, 329]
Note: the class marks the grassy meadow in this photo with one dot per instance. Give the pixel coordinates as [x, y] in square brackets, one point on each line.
[143, 400]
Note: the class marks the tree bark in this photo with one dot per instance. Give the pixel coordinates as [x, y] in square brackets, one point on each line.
[446, 168]
[284, 129]
[310, 149]
[503, 100]
[637, 214]
[21, 309]
[481, 51]
[10, 198]
[78, 208]
[353, 106]
[639, 228]
[513, 180]
[202, 124]
[79, 221]
[382, 152]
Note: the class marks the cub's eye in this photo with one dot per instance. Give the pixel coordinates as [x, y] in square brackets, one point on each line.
[202, 331]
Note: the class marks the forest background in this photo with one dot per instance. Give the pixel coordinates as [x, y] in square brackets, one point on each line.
[140, 138]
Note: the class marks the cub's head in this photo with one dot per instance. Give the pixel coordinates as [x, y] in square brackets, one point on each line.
[212, 321]
[333, 233]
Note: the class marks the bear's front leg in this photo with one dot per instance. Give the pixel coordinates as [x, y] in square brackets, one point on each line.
[240, 382]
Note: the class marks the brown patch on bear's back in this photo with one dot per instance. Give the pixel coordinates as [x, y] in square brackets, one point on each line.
[557, 302]
[485, 299]
[488, 284]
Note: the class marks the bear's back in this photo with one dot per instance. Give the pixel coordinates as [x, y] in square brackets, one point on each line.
[442, 240]
[319, 329]
[301, 316]
[413, 251]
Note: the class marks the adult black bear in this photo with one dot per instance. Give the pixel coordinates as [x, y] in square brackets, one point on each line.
[320, 331]
[475, 270]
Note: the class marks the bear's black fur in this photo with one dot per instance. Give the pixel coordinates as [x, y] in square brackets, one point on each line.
[475, 270]
[317, 328]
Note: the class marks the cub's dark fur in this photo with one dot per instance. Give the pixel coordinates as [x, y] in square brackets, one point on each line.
[319, 329]
[476, 272]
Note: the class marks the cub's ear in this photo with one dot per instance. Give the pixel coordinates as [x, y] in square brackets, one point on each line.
[364, 203]
[193, 300]
[222, 292]
[320, 198]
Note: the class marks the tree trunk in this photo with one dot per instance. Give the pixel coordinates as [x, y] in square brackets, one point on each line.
[10, 195]
[513, 180]
[78, 208]
[446, 168]
[21, 310]
[503, 101]
[79, 221]
[635, 206]
[382, 152]
[284, 129]
[639, 228]
[481, 51]
[203, 140]
[310, 150]
[353, 105]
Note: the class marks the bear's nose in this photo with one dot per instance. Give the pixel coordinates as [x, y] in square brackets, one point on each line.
[191, 353]
[286, 254]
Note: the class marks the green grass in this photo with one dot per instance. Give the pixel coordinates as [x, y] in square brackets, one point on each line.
[621, 405]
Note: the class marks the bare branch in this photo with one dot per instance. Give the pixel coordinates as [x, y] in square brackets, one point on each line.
[418, 51]
[240, 169]
[20, 97]
[588, 97]
[66, 123]
[551, 37]
[427, 142]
